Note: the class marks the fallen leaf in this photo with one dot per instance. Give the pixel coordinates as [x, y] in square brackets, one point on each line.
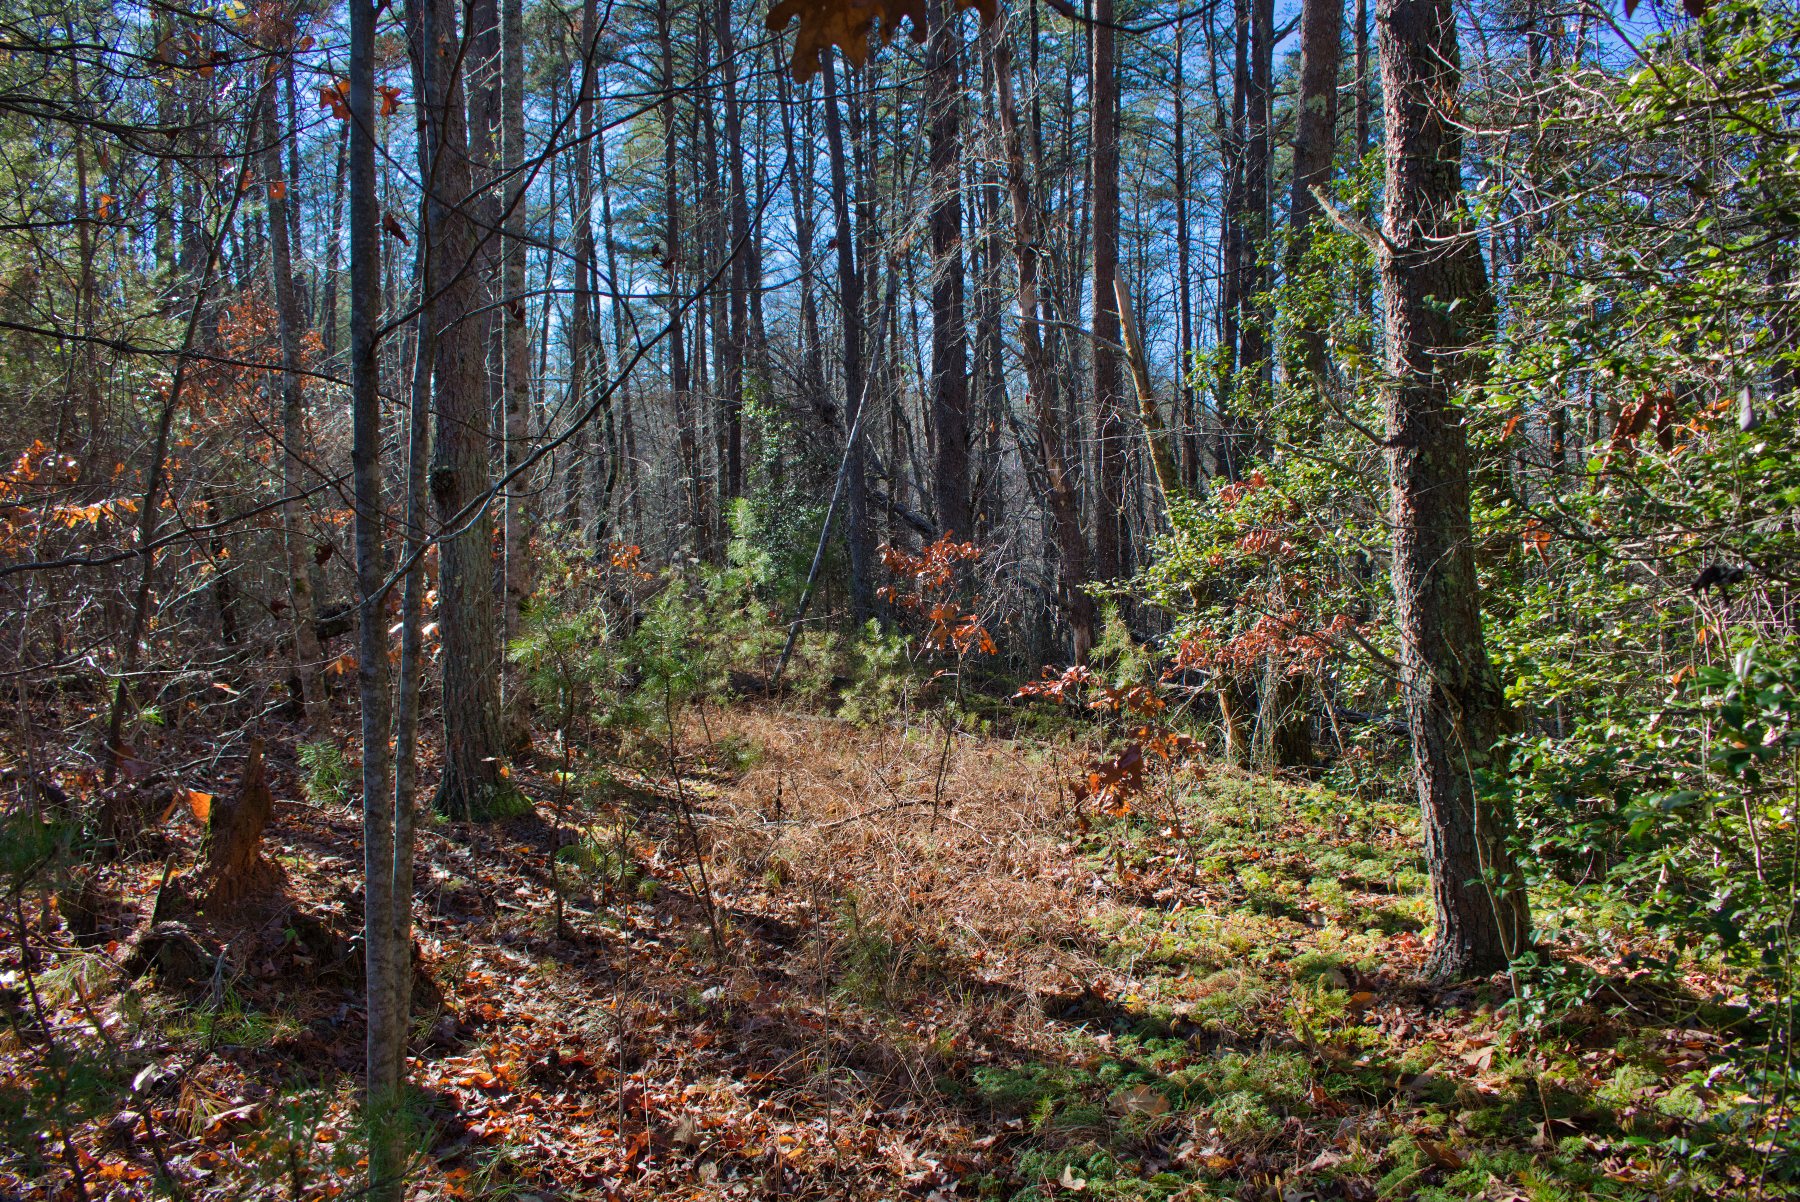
[200, 804]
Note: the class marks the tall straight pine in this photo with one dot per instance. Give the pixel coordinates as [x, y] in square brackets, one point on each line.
[1439, 312]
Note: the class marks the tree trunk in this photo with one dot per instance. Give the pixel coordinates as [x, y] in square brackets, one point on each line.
[1187, 419]
[388, 968]
[1065, 509]
[1255, 363]
[850, 294]
[583, 332]
[1439, 310]
[515, 344]
[307, 653]
[949, 331]
[1111, 550]
[1315, 144]
[471, 787]
[686, 438]
[738, 275]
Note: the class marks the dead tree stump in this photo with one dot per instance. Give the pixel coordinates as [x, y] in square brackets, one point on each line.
[235, 867]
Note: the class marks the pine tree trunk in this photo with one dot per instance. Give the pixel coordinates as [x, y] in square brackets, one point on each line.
[949, 331]
[1439, 310]
[388, 967]
[850, 296]
[1315, 144]
[471, 787]
[583, 334]
[1111, 551]
[1187, 420]
[686, 435]
[737, 312]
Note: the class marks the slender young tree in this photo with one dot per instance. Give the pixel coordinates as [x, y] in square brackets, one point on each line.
[515, 341]
[386, 913]
[1439, 311]
[308, 657]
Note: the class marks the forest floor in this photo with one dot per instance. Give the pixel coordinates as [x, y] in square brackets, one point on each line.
[914, 968]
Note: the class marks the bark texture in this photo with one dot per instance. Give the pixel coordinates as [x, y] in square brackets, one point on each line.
[235, 867]
[1438, 310]
[1315, 144]
[1111, 535]
[949, 328]
[471, 786]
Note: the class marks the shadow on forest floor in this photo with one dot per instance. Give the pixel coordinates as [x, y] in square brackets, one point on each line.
[882, 989]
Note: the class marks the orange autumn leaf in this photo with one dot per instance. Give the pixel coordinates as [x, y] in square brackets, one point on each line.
[336, 97]
[200, 805]
[849, 25]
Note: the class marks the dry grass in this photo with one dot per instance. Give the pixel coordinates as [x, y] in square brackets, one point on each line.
[948, 847]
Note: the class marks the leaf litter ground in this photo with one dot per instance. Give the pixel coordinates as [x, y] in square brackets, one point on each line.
[922, 972]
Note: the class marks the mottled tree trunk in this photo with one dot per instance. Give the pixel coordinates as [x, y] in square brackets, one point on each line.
[1439, 310]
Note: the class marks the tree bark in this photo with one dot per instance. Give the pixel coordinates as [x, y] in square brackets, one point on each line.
[388, 986]
[515, 342]
[471, 787]
[1187, 419]
[949, 329]
[235, 867]
[1111, 550]
[737, 314]
[1315, 145]
[1439, 310]
[850, 297]
[686, 436]
[583, 330]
